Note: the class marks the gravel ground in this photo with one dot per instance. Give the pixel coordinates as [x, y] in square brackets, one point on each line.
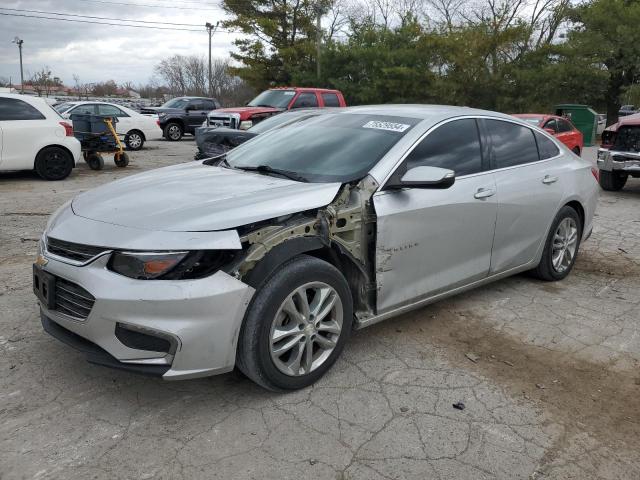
[548, 373]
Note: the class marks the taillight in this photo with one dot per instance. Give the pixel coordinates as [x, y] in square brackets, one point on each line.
[596, 173]
[158, 123]
[68, 129]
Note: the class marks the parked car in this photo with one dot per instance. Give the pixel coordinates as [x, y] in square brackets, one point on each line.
[271, 102]
[619, 154]
[133, 126]
[559, 127]
[33, 136]
[627, 110]
[267, 257]
[182, 115]
[212, 141]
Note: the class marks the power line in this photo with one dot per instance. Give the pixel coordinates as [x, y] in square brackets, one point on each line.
[98, 23]
[99, 18]
[185, 7]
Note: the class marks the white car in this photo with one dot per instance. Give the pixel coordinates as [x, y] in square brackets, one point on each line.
[133, 126]
[34, 137]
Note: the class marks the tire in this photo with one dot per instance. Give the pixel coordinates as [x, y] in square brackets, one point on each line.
[134, 140]
[95, 161]
[121, 159]
[53, 163]
[173, 131]
[257, 357]
[556, 242]
[612, 181]
[576, 150]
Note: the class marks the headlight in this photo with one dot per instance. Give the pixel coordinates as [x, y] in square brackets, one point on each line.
[169, 265]
[602, 154]
[145, 266]
[245, 125]
[162, 115]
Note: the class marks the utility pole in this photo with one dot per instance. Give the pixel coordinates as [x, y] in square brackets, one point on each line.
[318, 38]
[19, 42]
[211, 29]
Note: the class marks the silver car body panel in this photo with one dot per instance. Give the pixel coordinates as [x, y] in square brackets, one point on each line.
[204, 316]
[423, 241]
[194, 197]
[399, 249]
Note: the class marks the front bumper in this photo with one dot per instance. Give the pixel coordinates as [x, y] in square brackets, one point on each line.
[623, 162]
[201, 318]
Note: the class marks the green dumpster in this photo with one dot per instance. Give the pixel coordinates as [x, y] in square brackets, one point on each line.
[583, 117]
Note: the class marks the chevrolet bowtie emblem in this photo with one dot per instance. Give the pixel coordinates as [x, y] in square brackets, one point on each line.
[41, 261]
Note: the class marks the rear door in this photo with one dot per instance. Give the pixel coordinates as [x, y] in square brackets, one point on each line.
[529, 179]
[24, 130]
[433, 240]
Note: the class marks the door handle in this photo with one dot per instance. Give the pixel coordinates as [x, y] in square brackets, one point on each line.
[484, 193]
[548, 179]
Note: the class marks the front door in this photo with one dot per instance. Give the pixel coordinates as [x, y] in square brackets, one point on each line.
[433, 240]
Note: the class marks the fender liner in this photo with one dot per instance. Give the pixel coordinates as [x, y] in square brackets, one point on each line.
[278, 255]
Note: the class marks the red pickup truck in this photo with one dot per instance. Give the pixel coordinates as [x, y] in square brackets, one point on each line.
[271, 102]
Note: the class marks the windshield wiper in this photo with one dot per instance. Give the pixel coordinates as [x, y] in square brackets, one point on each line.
[269, 170]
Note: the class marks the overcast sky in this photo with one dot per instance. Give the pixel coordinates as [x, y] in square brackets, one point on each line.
[98, 52]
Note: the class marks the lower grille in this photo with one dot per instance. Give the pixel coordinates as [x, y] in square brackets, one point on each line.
[72, 299]
[73, 251]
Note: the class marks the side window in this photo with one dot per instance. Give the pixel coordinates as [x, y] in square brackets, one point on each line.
[85, 109]
[552, 124]
[196, 105]
[306, 100]
[111, 110]
[14, 109]
[564, 126]
[209, 105]
[512, 144]
[455, 145]
[546, 147]
[330, 100]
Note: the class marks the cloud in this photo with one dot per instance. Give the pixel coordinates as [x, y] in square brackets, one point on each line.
[100, 52]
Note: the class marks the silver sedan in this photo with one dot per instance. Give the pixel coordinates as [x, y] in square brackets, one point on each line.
[266, 258]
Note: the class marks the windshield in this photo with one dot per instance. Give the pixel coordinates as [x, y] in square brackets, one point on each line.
[279, 120]
[273, 98]
[62, 107]
[176, 103]
[327, 148]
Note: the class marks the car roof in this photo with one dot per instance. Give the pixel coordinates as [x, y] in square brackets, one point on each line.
[27, 98]
[314, 89]
[432, 113]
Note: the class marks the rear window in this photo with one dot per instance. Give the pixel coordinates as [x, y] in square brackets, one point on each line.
[513, 144]
[15, 109]
[330, 100]
[546, 148]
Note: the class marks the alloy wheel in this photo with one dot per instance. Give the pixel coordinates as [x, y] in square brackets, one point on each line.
[174, 132]
[565, 242]
[306, 329]
[55, 164]
[134, 141]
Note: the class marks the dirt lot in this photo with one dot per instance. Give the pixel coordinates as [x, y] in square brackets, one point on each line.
[553, 393]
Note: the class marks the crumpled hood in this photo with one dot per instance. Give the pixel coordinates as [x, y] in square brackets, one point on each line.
[194, 197]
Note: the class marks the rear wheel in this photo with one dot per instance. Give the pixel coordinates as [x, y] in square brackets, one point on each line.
[54, 163]
[612, 181]
[173, 131]
[561, 246]
[95, 161]
[296, 326]
[134, 140]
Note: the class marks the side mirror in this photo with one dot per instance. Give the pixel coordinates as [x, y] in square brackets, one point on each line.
[425, 177]
[550, 131]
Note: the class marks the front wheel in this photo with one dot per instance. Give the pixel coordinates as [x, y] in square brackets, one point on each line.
[561, 247]
[134, 140]
[296, 326]
[612, 181]
[173, 131]
[54, 163]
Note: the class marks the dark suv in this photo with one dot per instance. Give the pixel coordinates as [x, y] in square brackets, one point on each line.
[182, 115]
